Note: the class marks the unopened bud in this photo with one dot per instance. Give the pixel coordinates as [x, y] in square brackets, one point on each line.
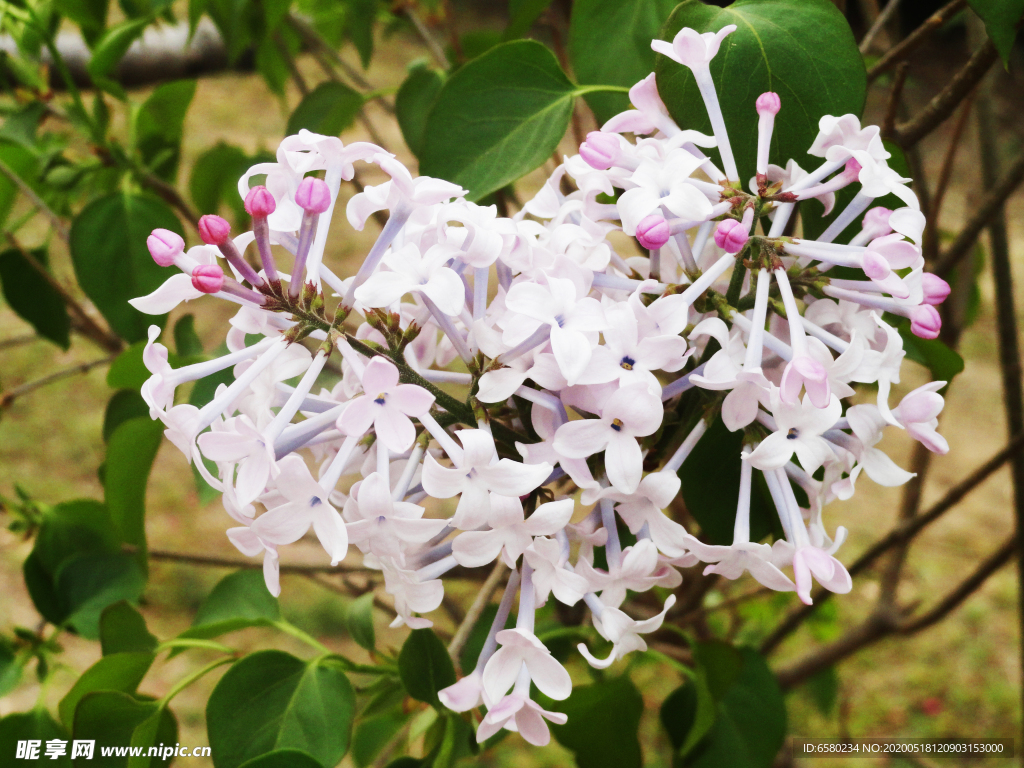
[259, 202]
[653, 232]
[768, 103]
[935, 289]
[875, 266]
[731, 236]
[925, 321]
[214, 230]
[208, 278]
[164, 246]
[877, 220]
[313, 195]
[600, 150]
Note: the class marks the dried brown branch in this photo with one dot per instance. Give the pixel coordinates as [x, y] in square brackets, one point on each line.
[930, 247]
[989, 207]
[947, 100]
[878, 25]
[37, 202]
[8, 398]
[895, 93]
[214, 561]
[480, 602]
[432, 45]
[910, 44]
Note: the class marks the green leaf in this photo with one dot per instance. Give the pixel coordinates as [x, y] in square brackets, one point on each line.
[161, 727]
[425, 666]
[603, 722]
[283, 758]
[943, 362]
[33, 298]
[823, 689]
[779, 46]
[751, 721]
[710, 487]
[521, 15]
[10, 667]
[112, 263]
[239, 600]
[1000, 17]
[123, 630]
[25, 165]
[37, 725]
[130, 455]
[116, 672]
[688, 713]
[186, 341]
[473, 44]
[109, 718]
[359, 621]
[90, 582]
[271, 700]
[89, 15]
[158, 127]
[359, 18]
[497, 118]
[413, 102]
[328, 109]
[128, 371]
[372, 734]
[610, 44]
[110, 49]
[214, 179]
[126, 404]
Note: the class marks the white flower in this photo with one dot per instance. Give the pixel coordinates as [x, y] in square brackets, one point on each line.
[624, 633]
[519, 647]
[799, 429]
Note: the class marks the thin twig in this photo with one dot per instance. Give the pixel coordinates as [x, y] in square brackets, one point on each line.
[482, 599]
[898, 536]
[432, 45]
[169, 194]
[18, 341]
[947, 100]
[895, 94]
[910, 43]
[55, 221]
[930, 247]
[909, 507]
[8, 398]
[289, 62]
[882, 19]
[986, 210]
[213, 561]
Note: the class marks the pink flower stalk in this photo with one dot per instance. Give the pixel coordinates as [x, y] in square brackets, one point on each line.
[259, 204]
[768, 105]
[314, 197]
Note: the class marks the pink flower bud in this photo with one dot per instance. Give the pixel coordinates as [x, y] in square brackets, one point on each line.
[214, 230]
[768, 103]
[935, 289]
[920, 407]
[731, 236]
[925, 321]
[600, 150]
[259, 202]
[875, 266]
[877, 219]
[653, 231]
[313, 195]
[208, 278]
[164, 246]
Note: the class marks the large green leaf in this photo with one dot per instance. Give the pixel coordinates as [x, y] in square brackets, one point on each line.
[610, 44]
[36, 725]
[88, 583]
[271, 700]
[1001, 18]
[158, 127]
[130, 455]
[33, 298]
[109, 718]
[943, 362]
[239, 600]
[359, 621]
[124, 405]
[521, 15]
[123, 630]
[604, 719]
[802, 50]
[112, 263]
[413, 103]
[116, 672]
[283, 758]
[498, 117]
[328, 109]
[425, 666]
[160, 728]
[110, 49]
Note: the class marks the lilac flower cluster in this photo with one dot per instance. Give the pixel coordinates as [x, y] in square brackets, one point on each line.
[546, 309]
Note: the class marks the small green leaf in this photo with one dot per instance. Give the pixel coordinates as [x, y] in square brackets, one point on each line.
[604, 719]
[89, 15]
[498, 117]
[823, 689]
[328, 109]
[359, 621]
[110, 49]
[123, 630]
[360, 15]
[214, 179]
[109, 718]
[283, 758]
[610, 44]
[413, 102]
[130, 455]
[37, 725]
[521, 15]
[239, 600]
[271, 700]
[1001, 18]
[372, 734]
[425, 666]
[161, 727]
[90, 582]
[33, 298]
[688, 713]
[116, 672]
[943, 362]
[125, 404]
[186, 341]
[158, 127]
[10, 667]
[778, 47]
[128, 371]
[112, 263]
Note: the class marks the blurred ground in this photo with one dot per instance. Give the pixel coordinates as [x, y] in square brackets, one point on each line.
[962, 677]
